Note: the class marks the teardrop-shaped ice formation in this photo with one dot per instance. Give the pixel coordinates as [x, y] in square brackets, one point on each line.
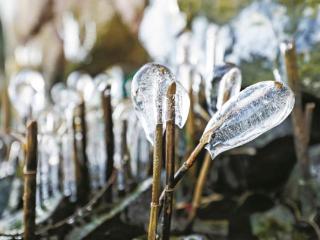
[55, 91]
[26, 91]
[148, 91]
[49, 121]
[115, 77]
[78, 39]
[73, 78]
[255, 110]
[166, 18]
[64, 97]
[85, 86]
[82, 83]
[224, 84]
[230, 85]
[101, 81]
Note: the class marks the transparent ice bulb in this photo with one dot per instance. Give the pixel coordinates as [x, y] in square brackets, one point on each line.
[148, 91]
[224, 84]
[26, 91]
[244, 117]
[230, 85]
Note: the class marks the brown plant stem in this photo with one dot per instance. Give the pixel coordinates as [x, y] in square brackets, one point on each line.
[80, 155]
[124, 172]
[197, 196]
[170, 159]
[108, 136]
[6, 110]
[308, 114]
[125, 156]
[298, 117]
[30, 173]
[190, 129]
[181, 172]
[157, 159]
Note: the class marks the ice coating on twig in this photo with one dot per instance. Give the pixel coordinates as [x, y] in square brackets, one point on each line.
[255, 110]
[182, 105]
[224, 84]
[148, 91]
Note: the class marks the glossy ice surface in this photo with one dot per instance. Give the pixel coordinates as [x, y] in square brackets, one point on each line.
[224, 84]
[148, 91]
[230, 85]
[254, 111]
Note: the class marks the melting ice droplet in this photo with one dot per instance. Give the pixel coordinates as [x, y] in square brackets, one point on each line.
[148, 91]
[224, 84]
[255, 110]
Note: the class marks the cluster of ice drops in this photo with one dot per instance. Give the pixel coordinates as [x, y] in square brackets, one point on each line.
[246, 115]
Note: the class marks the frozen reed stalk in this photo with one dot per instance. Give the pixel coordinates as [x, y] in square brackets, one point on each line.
[109, 136]
[30, 170]
[148, 89]
[80, 155]
[170, 153]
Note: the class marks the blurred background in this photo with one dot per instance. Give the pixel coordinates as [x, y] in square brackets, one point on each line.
[260, 186]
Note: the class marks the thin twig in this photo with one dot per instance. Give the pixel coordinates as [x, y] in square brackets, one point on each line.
[180, 173]
[108, 135]
[30, 173]
[203, 175]
[157, 159]
[125, 156]
[80, 155]
[6, 111]
[170, 154]
[197, 196]
[308, 114]
[298, 119]
[190, 128]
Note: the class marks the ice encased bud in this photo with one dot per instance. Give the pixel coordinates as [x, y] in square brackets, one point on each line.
[148, 91]
[230, 85]
[255, 110]
[64, 97]
[49, 121]
[166, 17]
[26, 91]
[73, 78]
[85, 85]
[224, 83]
